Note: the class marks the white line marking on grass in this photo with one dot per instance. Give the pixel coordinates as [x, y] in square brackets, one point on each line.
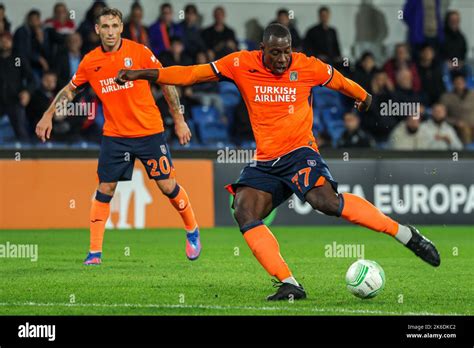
[223, 308]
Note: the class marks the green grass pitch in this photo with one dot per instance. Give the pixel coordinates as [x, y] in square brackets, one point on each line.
[155, 278]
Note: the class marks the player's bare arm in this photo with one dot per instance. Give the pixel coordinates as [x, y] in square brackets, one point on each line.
[180, 126]
[173, 75]
[45, 125]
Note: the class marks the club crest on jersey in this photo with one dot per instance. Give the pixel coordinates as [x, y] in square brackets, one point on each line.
[128, 62]
[163, 149]
[293, 76]
[312, 163]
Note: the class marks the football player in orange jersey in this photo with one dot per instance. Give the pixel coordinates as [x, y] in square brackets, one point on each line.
[133, 128]
[276, 85]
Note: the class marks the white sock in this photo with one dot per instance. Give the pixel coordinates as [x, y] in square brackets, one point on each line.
[404, 234]
[290, 280]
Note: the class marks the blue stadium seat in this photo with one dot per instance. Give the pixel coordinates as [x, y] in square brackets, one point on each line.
[332, 118]
[210, 129]
[230, 98]
[6, 131]
[324, 98]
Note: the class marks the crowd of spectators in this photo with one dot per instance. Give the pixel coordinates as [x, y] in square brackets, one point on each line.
[428, 70]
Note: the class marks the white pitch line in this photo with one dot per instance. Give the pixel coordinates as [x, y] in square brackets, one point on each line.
[224, 308]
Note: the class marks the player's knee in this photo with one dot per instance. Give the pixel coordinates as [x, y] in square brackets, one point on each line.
[328, 205]
[166, 186]
[107, 188]
[243, 215]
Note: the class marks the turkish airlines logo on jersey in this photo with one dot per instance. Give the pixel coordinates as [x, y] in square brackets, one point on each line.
[271, 94]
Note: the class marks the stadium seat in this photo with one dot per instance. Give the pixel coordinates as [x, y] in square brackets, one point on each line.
[210, 129]
[326, 98]
[6, 131]
[332, 118]
[230, 98]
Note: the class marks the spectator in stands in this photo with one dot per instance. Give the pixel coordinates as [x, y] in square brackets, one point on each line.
[460, 105]
[407, 135]
[402, 60]
[431, 75]
[404, 91]
[365, 70]
[58, 27]
[16, 87]
[191, 34]
[425, 26]
[253, 34]
[90, 39]
[67, 61]
[219, 37]
[438, 134]
[379, 126]
[353, 135]
[65, 128]
[163, 29]
[207, 93]
[134, 29]
[42, 97]
[176, 54]
[5, 25]
[61, 21]
[283, 18]
[321, 40]
[31, 42]
[454, 48]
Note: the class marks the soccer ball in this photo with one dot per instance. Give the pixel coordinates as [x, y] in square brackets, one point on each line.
[365, 278]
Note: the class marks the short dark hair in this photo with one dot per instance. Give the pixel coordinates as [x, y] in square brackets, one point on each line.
[457, 74]
[165, 5]
[323, 9]
[33, 12]
[190, 8]
[107, 11]
[277, 30]
[136, 5]
[282, 11]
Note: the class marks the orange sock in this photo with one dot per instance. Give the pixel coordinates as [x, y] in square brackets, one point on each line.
[180, 201]
[361, 212]
[265, 248]
[99, 214]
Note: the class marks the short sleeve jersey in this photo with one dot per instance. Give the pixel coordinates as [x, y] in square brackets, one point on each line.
[279, 107]
[129, 110]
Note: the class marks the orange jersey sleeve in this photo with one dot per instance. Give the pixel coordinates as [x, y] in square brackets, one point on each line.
[148, 59]
[346, 86]
[186, 75]
[322, 73]
[226, 66]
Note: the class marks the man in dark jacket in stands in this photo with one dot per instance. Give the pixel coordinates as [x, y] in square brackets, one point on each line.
[16, 87]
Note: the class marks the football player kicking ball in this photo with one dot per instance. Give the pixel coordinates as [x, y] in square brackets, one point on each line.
[133, 128]
[276, 86]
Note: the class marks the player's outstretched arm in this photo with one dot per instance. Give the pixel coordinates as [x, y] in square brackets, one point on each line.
[173, 75]
[351, 89]
[180, 126]
[45, 125]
